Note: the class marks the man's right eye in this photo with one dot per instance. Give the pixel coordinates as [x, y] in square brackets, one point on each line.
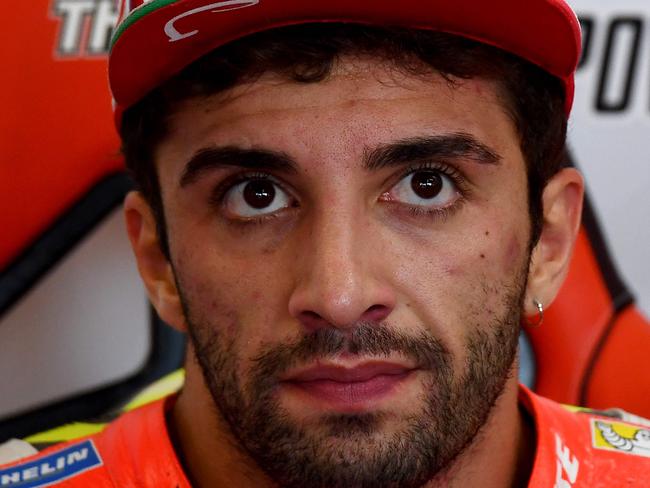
[255, 197]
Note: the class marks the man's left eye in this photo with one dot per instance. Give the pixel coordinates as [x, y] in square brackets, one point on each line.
[255, 198]
[425, 188]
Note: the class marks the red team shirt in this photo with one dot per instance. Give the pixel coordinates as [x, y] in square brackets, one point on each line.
[574, 449]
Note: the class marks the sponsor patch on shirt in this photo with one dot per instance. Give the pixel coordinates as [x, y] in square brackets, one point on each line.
[620, 437]
[53, 468]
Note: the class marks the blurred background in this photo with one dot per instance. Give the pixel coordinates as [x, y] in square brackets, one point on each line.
[76, 331]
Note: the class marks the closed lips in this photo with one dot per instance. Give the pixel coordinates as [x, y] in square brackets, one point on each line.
[356, 374]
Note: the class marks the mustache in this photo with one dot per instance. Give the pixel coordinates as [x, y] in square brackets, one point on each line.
[366, 339]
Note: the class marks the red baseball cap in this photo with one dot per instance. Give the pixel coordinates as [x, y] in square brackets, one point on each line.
[156, 39]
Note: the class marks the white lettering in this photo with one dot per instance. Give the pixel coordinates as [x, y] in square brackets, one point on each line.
[566, 464]
[47, 469]
[10, 479]
[51, 466]
[76, 456]
[74, 13]
[174, 35]
[559, 481]
[30, 473]
[104, 21]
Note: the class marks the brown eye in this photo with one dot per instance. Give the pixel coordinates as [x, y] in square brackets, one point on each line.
[427, 188]
[259, 194]
[426, 184]
[255, 197]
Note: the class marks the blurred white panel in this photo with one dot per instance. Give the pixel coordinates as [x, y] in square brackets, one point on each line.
[83, 325]
[610, 136]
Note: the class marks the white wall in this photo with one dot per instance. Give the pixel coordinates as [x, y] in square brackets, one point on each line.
[613, 148]
[84, 324]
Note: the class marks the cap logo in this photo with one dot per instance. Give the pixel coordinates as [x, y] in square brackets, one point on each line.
[217, 7]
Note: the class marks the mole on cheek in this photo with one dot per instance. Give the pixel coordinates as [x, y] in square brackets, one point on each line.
[487, 233]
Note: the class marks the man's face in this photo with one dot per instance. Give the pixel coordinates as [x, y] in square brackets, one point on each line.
[352, 256]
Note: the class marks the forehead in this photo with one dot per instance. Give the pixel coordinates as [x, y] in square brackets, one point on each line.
[363, 102]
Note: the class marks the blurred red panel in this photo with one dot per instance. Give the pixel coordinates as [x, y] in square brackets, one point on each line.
[56, 132]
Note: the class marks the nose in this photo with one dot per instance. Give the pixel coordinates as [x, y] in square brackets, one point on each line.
[339, 276]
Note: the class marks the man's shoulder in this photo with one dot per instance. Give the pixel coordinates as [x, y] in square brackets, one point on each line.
[134, 447]
[74, 464]
[579, 447]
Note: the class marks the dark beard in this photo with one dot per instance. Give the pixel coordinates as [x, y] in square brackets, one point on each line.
[347, 451]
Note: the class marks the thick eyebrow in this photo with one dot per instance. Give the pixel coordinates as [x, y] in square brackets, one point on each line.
[440, 147]
[210, 158]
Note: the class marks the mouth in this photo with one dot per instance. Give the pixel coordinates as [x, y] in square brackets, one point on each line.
[352, 389]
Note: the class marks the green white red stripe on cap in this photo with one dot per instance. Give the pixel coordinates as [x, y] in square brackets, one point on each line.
[137, 9]
[158, 38]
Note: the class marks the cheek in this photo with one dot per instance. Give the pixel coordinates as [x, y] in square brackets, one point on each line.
[498, 251]
[461, 285]
[513, 253]
[240, 299]
[498, 257]
[499, 274]
[490, 254]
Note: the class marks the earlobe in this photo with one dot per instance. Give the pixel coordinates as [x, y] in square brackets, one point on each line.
[154, 267]
[562, 200]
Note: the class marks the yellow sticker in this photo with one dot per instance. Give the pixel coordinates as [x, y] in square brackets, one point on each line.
[620, 437]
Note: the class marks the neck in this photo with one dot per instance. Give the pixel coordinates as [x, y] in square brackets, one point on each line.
[500, 456]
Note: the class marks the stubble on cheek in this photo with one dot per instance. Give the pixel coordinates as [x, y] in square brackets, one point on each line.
[227, 322]
[211, 290]
[477, 283]
[503, 266]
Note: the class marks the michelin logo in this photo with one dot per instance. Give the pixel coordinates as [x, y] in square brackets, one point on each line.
[621, 437]
[53, 468]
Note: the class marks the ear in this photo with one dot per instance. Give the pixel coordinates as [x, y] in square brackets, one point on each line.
[562, 201]
[154, 267]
